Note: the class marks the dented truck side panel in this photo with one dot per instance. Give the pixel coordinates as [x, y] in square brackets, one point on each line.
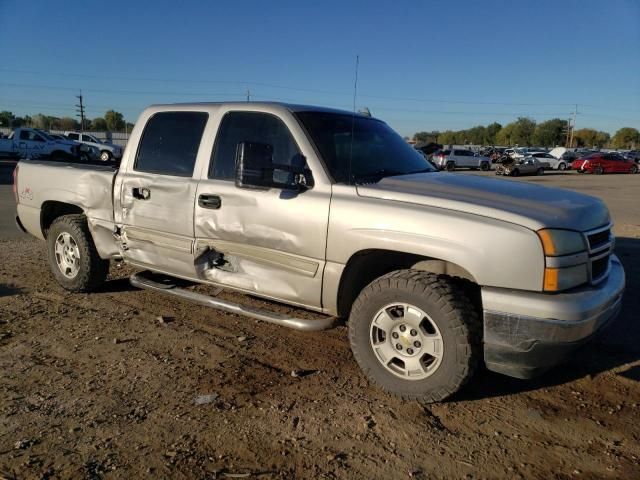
[268, 242]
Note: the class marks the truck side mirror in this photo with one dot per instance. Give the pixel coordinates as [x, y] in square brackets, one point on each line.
[254, 165]
[255, 169]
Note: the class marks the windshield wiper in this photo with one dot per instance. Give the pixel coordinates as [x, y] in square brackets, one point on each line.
[383, 173]
[378, 174]
[424, 170]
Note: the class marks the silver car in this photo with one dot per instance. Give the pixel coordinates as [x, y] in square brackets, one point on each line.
[461, 158]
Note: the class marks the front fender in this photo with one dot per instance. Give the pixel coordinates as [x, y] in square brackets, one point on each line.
[494, 252]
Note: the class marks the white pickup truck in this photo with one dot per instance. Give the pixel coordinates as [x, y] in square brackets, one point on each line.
[33, 143]
[333, 212]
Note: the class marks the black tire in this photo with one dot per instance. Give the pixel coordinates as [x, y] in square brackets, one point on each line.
[633, 169]
[598, 170]
[484, 166]
[515, 173]
[449, 306]
[540, 171]
[105, 155]
[450, 167]
[562, 166]
[92, 270]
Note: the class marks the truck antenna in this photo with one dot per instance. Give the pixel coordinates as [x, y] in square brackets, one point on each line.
[353, 118]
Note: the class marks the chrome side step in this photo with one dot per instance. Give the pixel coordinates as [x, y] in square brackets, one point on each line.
[142, 280]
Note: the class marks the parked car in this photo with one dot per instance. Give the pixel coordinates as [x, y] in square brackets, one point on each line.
[33, 143]
[523, 152]
[459, 158]
[554, 163]
[88, 153]
[108, 151]
[408, 255]
[633, 155]
[522, 166]
[600, 163]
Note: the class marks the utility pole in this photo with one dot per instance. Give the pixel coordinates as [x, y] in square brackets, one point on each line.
[80, 110]
[248, 95]
[573, 126]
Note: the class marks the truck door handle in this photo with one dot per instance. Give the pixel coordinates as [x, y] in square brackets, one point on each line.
[141, 193]
[213, 202]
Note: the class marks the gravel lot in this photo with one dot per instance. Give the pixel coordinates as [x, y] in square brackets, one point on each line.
[105, 386]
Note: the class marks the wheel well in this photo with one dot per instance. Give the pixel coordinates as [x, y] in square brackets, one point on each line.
[365, 266]
[51, 210]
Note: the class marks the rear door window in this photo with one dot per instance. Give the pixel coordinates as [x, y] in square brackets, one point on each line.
[74, 136]
[170, 142]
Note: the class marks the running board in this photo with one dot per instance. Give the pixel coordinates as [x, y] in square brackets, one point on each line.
[142, 280]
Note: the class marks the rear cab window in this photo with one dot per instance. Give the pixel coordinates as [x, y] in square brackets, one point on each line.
[170, 143]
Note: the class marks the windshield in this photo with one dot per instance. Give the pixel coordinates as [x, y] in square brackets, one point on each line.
[376, 151]
[45, 134]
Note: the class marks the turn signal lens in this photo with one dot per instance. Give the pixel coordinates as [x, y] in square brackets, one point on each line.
[559, 279]
[551, 279]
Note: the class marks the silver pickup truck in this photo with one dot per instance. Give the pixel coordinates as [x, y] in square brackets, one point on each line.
[333, 212]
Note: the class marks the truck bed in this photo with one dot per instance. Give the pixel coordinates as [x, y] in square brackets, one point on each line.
[88, 186]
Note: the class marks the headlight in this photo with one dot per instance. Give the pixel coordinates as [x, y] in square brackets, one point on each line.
[561, 242]
[558, 243]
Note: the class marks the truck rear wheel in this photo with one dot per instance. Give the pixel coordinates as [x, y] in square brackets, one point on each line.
[416, 334]
[73, 258]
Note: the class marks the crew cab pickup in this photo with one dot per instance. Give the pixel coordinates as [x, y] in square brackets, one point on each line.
[333, 212]
[34, 144]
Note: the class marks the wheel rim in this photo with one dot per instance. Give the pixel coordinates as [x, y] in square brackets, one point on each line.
[562, 166]
[406, 342]
[67, 255]
[104, 156]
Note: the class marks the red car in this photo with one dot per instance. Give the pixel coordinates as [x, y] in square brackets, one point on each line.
[604, 163]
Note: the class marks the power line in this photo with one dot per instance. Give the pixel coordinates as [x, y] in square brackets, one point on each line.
[288, 87]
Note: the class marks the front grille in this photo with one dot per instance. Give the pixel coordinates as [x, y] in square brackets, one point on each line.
[600, 242]
[599, 267]
[598, 239]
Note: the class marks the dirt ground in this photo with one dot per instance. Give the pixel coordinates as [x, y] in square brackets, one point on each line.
[105, 386]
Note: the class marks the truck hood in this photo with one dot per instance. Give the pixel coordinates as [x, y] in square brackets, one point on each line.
[526, 204]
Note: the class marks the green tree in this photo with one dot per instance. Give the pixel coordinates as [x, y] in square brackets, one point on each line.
[519, 132]
[492, 131]
[68, 123]
[602, 139]
[426, 137]
[448, 137]
[99, 124]
[114, 120]
[588, 137]
[626, 137]
[550, 133]
[476, 135]
[6, 119]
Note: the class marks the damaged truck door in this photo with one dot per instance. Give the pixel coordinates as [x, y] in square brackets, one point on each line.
[260, 216]
[157, 193]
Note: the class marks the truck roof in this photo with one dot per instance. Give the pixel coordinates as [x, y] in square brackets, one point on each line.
[268, 106]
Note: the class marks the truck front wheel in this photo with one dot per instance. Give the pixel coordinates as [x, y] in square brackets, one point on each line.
[416, 334]
[105, 155]
[73, 258]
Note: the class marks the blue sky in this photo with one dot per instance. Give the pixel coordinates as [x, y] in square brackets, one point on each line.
[423, 65]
